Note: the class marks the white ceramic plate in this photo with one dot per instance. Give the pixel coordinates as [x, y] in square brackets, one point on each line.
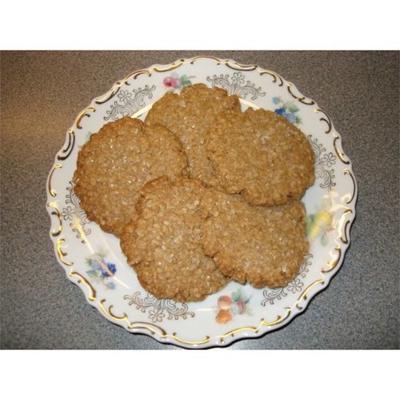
[94, 261]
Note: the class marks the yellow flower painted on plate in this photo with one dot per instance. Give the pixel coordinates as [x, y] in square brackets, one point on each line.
[319, 224]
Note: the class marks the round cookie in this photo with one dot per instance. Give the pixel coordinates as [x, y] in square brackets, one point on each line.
[189, 115]
[163, 242]
[261, 155]
[116, 162]
[264, 246]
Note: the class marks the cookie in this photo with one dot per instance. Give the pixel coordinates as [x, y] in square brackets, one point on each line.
[189, 115]
[261, 155]
[116, 162]
[163, 242]
[264, 246]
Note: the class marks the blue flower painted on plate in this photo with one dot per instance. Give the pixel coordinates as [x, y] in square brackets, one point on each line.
[287, 110]
[280, 111]
[100, 269]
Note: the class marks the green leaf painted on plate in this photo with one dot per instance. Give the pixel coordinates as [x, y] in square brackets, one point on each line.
[292, 108]
[92, 274]
[102, 253]
[310, 221]
[324, 239]
[236, 295]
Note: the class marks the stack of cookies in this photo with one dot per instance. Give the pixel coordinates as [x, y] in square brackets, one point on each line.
[201, 193]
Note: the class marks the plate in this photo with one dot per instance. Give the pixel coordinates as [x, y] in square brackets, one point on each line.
[93, 260]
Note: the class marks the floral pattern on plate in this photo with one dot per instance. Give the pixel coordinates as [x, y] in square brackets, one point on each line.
[229, 306]
[295, 286]
[236, 84]
[100, 269]
[324, 164]
[288, 110]
[73, 213]
[175, 81]
[320, 223]
[129, 101]
[158, 309]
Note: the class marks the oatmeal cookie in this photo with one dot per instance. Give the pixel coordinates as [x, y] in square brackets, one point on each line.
[264, 246]
[189, 115]
[261, 155]
[116, 162]
[163, 242]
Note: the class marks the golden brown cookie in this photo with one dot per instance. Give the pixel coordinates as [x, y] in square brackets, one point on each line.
[189, 115]
[116, 162]
[163, 242]
[261, 155]
[264, 246]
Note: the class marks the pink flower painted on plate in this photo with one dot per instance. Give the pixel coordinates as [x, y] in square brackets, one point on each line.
[174, 81]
